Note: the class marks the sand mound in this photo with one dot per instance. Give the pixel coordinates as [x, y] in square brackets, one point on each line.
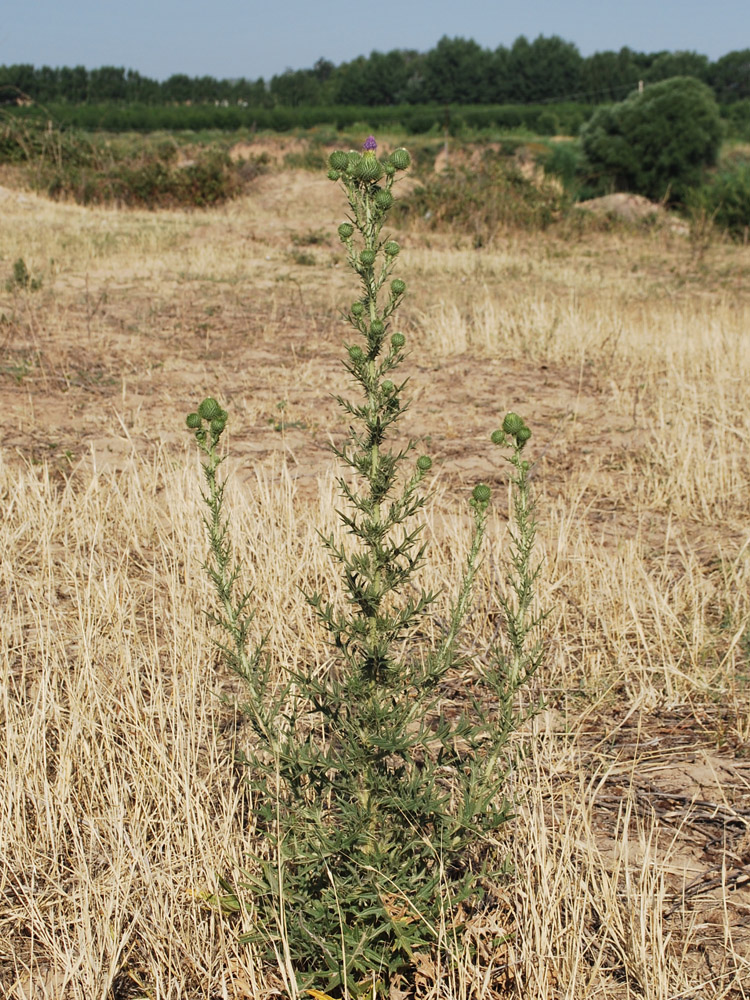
[633, 208]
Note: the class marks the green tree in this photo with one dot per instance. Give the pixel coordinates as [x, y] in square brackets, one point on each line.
[178, 88]
[656, 143]
[457, 71]
[16, 81]
[108, 83]
[669, 64]
[295, 87]
[608, 76]
[74, 84]
[730, 76]
[499, 76]
[553, 69]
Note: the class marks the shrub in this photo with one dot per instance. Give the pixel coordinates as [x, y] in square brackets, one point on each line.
[547, 123]
[726, 198]
[485, 201]
[564, 161]
[21, 278]
[655, 143]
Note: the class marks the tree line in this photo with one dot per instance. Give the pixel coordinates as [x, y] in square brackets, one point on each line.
[455, 71]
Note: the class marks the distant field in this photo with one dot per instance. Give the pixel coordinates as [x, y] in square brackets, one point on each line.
[626, 349]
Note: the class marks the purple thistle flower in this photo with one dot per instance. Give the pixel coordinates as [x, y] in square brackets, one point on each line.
[369, 144]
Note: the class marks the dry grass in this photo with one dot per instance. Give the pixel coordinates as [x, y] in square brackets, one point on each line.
[120, 802]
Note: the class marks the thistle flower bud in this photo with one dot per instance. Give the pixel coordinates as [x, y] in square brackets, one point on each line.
[391, 248]
[388, 387]
[389, 168]
[358, 309]
[368, 169]
[383, 200]
[398, 287]
[424, 463]
[482, 493]
[398, 340]
[356, 353]
[400, 159]
[377, 327]
[523, 435]
[193, 421]
[209, 409]
[217, 427]
[512, 423]
[338, 160]
[333, 175]
[352, 161]
[498, 437]
[346, 230]
[367, 258]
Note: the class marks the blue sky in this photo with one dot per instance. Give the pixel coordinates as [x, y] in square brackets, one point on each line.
[230, 38]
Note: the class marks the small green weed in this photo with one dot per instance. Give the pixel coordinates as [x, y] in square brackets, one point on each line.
[310, 239]
[302, 257]
[22, 279]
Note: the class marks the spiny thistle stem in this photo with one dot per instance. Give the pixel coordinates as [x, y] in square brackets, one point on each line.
[388, 553]
[521, 621]
[208, 424]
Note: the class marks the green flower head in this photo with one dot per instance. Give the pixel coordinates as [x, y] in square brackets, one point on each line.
[368, 169]
[400, 159]
[523, 435]
[424, 463]
[398, 340]
[398, 287]
[367, 257]
[392, 248]
[482, 493]
[338, 160]
[383, 200]
[346, 230]
[512, 423]
[209, 409]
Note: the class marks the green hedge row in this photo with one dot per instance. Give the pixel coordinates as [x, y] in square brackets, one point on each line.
[543, 118]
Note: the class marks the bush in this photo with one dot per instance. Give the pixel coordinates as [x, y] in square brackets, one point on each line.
[65, 163]
[547, 123]
[656, 143]
[563, 160]
[485, 201]
[737, 119]
[726, 198]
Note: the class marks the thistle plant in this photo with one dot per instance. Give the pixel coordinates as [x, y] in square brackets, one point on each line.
[235, 616]
[371, 804]
[514, 666]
